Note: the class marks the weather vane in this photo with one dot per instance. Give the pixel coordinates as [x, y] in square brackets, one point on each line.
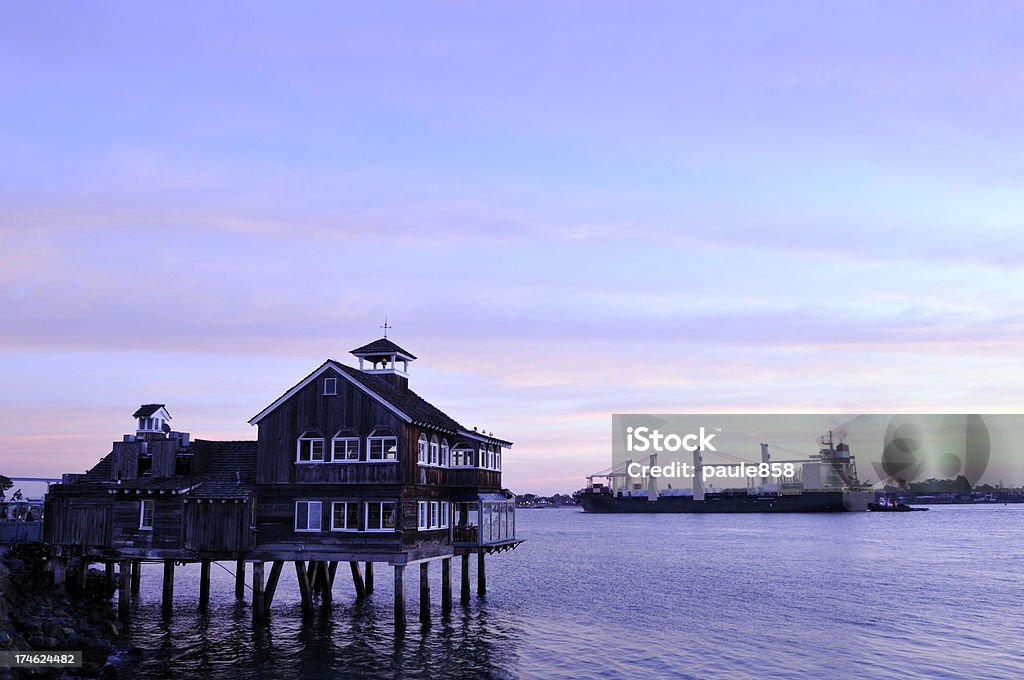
[385, 327]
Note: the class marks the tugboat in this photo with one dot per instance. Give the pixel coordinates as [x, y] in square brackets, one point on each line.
[891, 505]
[825, 482]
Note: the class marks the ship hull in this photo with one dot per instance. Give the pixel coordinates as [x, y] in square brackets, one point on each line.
[808, 501]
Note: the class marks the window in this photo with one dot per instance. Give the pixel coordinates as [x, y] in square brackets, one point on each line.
[463, 457]
[307, 515]
[435, 452]
[445, 454]
[497, 460]
[434, 519]
[380, 515]
[444, 514]
[421, 456]
[310, 450]
[345, 516]
[146, 514]
[330, 386]
[382, 448]
[344, 448]
[422, 521]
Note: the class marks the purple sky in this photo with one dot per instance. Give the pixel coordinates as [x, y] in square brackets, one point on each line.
[565, 209]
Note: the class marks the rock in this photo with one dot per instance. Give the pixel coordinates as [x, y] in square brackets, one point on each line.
[5, 637]
[54, 630]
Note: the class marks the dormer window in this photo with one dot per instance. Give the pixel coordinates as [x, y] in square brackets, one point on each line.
[421, 449]
[310, 448]
[435, 452]
[330, 386]
[381, 447]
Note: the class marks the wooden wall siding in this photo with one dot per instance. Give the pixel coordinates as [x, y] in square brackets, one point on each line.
[218, 527]
[472, 477]
[126, 460]
[83, 521]
[167, 523]
[163, 452]
[309, 408]
[347, 473]
[275, 516]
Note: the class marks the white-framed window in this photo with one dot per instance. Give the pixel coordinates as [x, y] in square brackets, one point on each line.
[344, 448]
[146, 514]
[435, 520]
[497, 458]
[345, 516]
[421, 448]
[445, 454]
[308, 515]
[309, 449]
[381, 515]
[445, 512]
[422, 520]
[330, 386]
[435, 451]
[483, 456]
[381, 448]
[463, 457]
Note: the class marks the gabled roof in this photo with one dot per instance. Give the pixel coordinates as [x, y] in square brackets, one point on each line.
[382, 346]
[406, 404]
[146, 410]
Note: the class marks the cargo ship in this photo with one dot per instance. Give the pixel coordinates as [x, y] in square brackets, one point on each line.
[822, 482]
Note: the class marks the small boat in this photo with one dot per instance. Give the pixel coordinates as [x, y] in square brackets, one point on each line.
[893, 507]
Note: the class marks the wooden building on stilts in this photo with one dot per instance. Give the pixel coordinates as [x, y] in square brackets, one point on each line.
[350, 466]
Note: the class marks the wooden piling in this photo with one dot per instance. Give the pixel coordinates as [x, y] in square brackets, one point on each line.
[304, 588]
[204, 585]
[168, 596]
[271, 587]
[239, 580]
[357, 580]
[425, 592]
[136, 576]
[399, 597]
[464, 594]
[108, 576]
[368, 578]
[481, 576]
[82, 577]
[258, 608]
[327, 571]
[123, 591]
[60, 566]
[446, 584]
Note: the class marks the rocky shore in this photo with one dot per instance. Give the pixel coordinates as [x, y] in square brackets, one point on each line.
[37, 616]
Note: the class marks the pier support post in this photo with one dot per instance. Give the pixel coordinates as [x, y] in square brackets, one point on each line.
[464, 594]
[368, 579]
[123, 590]
[424, 592]
[271, 588]
[399, 597]
[481, 576]
[304, 588]
[327, 572]
[357, 581]
[257, 591]
[82, 577]
[204, 585]
[60, 566]
[446, 584]
[108, 576]
[239, 580]
[136, 576]
[168, 597]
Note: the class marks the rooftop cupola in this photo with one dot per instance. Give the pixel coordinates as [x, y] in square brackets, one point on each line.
[386, 359]
[152, 420]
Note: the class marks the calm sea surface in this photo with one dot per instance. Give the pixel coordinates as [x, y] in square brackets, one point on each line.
[936, 594]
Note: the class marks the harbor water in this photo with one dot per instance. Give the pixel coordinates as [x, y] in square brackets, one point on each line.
[866, 595]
